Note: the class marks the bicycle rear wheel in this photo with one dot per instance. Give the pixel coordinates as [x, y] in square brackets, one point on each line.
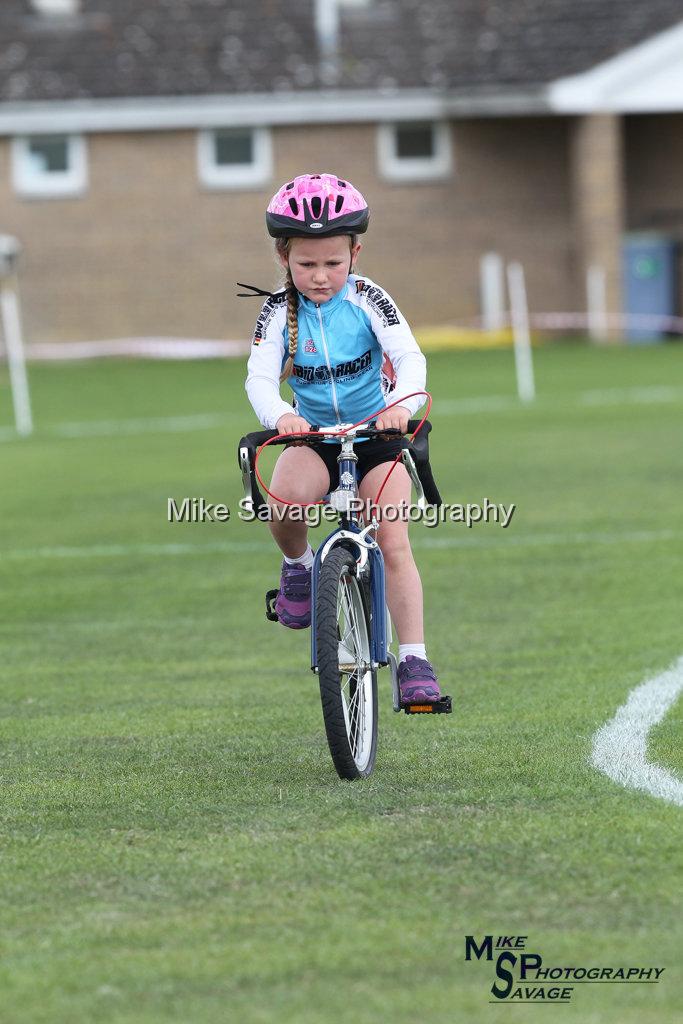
[348, 683]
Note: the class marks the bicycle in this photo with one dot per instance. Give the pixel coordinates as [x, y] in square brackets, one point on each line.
[350, 623]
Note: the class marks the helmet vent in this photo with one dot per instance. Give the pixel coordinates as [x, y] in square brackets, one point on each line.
[315, 176]
[293, 205]
[316, 206]
[342, 184]
[338, 204]
[289, 185]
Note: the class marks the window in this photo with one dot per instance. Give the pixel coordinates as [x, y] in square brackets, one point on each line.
[234, 157]
[57, 6]
[414, 150]
[49, 165]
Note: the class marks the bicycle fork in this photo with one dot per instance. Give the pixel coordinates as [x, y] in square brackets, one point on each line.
[370, 564]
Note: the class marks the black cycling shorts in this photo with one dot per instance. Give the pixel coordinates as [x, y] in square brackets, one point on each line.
[370, 454]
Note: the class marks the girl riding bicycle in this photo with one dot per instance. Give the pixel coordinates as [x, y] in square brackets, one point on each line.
[343, 346]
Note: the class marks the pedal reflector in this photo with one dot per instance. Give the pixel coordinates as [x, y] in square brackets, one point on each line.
[438, 707]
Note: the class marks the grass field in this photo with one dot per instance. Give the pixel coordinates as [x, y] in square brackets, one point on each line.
[175, 844]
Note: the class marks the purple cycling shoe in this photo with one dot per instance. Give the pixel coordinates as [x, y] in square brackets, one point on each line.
[417, 681]
[293, 604]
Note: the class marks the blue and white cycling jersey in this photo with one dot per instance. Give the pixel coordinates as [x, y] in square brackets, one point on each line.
[352, 352]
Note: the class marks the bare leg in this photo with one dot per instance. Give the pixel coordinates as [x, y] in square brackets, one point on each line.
[300, 476]
[404, 587]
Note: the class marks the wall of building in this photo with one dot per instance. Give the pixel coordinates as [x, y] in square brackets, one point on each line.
[148, 251]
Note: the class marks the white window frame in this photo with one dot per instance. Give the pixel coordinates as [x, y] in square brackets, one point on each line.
[239, 176]
[431, 168]
[49, 184]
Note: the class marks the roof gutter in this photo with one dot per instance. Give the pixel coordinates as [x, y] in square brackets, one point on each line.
[258, 109]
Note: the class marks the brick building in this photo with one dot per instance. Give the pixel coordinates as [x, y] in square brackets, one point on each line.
[139, 144]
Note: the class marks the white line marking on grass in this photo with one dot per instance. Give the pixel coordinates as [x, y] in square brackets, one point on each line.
[632, 396]
[420, 542]
[485, 403]
[548, 539]
[133, 550]
[620, 746]
[123, 428]
[655, 395]
[161, 425]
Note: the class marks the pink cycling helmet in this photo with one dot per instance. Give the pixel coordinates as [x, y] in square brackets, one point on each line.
[317, 204]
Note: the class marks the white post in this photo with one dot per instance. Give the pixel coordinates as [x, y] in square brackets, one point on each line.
[492, 289]
[519, 313]
[596, 291]
[326, 20]
[11, 329]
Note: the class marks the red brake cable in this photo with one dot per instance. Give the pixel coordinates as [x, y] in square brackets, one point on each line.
[317, 434]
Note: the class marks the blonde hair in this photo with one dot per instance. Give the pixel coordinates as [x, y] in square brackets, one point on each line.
[282, 249]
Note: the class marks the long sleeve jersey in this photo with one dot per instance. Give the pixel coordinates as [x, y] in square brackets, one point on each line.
[355, 354]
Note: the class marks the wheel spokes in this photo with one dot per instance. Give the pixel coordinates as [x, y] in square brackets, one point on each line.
[355, 674]
[352, 666]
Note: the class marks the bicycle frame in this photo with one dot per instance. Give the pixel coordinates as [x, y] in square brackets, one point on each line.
[368, 555]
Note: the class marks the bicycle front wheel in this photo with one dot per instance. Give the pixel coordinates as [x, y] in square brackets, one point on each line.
[348, 683]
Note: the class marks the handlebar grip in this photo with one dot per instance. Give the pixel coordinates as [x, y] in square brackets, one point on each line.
[414, 424]
[258, 437]
[424, 471]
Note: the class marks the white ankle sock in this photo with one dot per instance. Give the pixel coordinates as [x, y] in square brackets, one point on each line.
[419, 650]
[306, 559]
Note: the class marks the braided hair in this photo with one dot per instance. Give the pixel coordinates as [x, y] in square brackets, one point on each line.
[282, 248]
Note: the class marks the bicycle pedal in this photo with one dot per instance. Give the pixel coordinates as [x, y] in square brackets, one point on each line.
[271, 598]
[442, 706]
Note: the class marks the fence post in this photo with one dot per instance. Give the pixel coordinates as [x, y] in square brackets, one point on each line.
[519, 313]
[11, 328]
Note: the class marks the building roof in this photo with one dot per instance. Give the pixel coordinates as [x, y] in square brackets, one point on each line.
[120, 49]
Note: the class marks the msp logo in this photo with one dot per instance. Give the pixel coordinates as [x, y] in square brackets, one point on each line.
[310, 346]
[521, 977]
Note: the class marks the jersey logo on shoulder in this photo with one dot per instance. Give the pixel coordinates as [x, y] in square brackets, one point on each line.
[379, 301]
[270, 308]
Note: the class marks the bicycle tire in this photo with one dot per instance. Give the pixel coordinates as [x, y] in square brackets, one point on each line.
[348, 697]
